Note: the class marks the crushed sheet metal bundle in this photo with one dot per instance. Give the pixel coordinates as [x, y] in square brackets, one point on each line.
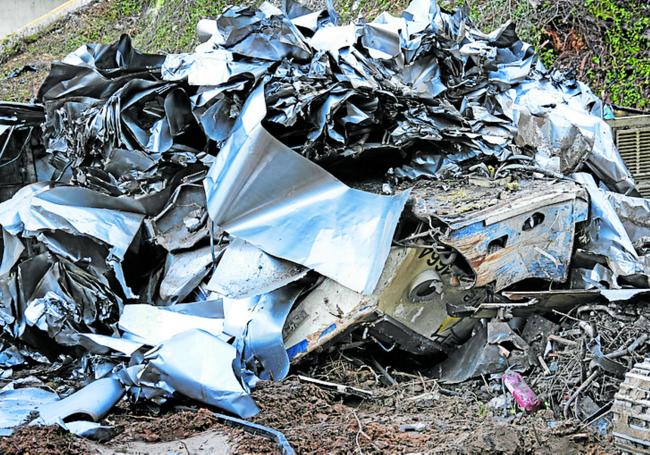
[201, 220]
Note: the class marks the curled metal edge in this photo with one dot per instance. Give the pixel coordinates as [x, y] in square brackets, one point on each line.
[94, 400]
[257, 324]
[255, 428]
[260, 190]
[199, 365]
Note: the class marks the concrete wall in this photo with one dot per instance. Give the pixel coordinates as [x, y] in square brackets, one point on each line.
[17, 13]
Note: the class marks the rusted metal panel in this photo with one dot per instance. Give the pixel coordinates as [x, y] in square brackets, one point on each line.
[527, 234]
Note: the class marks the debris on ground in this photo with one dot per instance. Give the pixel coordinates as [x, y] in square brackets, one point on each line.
[422, 198]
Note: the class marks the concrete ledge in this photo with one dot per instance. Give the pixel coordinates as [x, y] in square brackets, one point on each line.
[39, 24]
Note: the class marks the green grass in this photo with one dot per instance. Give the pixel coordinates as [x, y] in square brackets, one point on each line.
[627, 76]
[171, 24]
[65, 36]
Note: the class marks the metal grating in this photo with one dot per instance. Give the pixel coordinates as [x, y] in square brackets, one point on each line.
[634, 147]
[631, 411]
[632, 135]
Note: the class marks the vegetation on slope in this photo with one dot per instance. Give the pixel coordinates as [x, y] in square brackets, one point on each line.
[607, 42]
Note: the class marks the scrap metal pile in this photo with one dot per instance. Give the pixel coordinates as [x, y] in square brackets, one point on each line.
[205, 219]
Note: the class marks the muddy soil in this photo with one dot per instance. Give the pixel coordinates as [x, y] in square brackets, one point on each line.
[42, 441]
[411, 417]
[414, 416]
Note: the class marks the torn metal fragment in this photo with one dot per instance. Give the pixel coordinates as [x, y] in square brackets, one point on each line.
[246, 271]
[261, 191]
[600, 359]
[18, 405]
[279, 438]
[200, 366]
[151, 325]
[257, 324]
[94, 400]
[493, 348]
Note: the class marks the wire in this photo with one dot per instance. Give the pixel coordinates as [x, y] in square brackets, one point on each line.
[4, 147]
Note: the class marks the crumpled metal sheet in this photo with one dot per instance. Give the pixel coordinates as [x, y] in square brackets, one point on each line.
[10, 356]
[634, 213]
[17, 405]
[59, 298]
[95, 68]
[63, 217]
[184, 271]
[246, 271]
[566, 134]
[607, 235]
[598, 277]
[113, 125]
[559, 140]
[257, 324]
[276, 103]
[483, 354]
[182, 223]
[153, 325]
[261, 191]
[94, 400]
[183, 365]
[77, 211]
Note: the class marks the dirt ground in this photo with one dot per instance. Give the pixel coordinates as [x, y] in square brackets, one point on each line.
[416, 415]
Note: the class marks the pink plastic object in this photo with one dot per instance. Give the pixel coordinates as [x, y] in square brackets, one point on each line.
[523, 395]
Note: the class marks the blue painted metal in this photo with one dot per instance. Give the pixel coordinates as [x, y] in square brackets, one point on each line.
[543, 251]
